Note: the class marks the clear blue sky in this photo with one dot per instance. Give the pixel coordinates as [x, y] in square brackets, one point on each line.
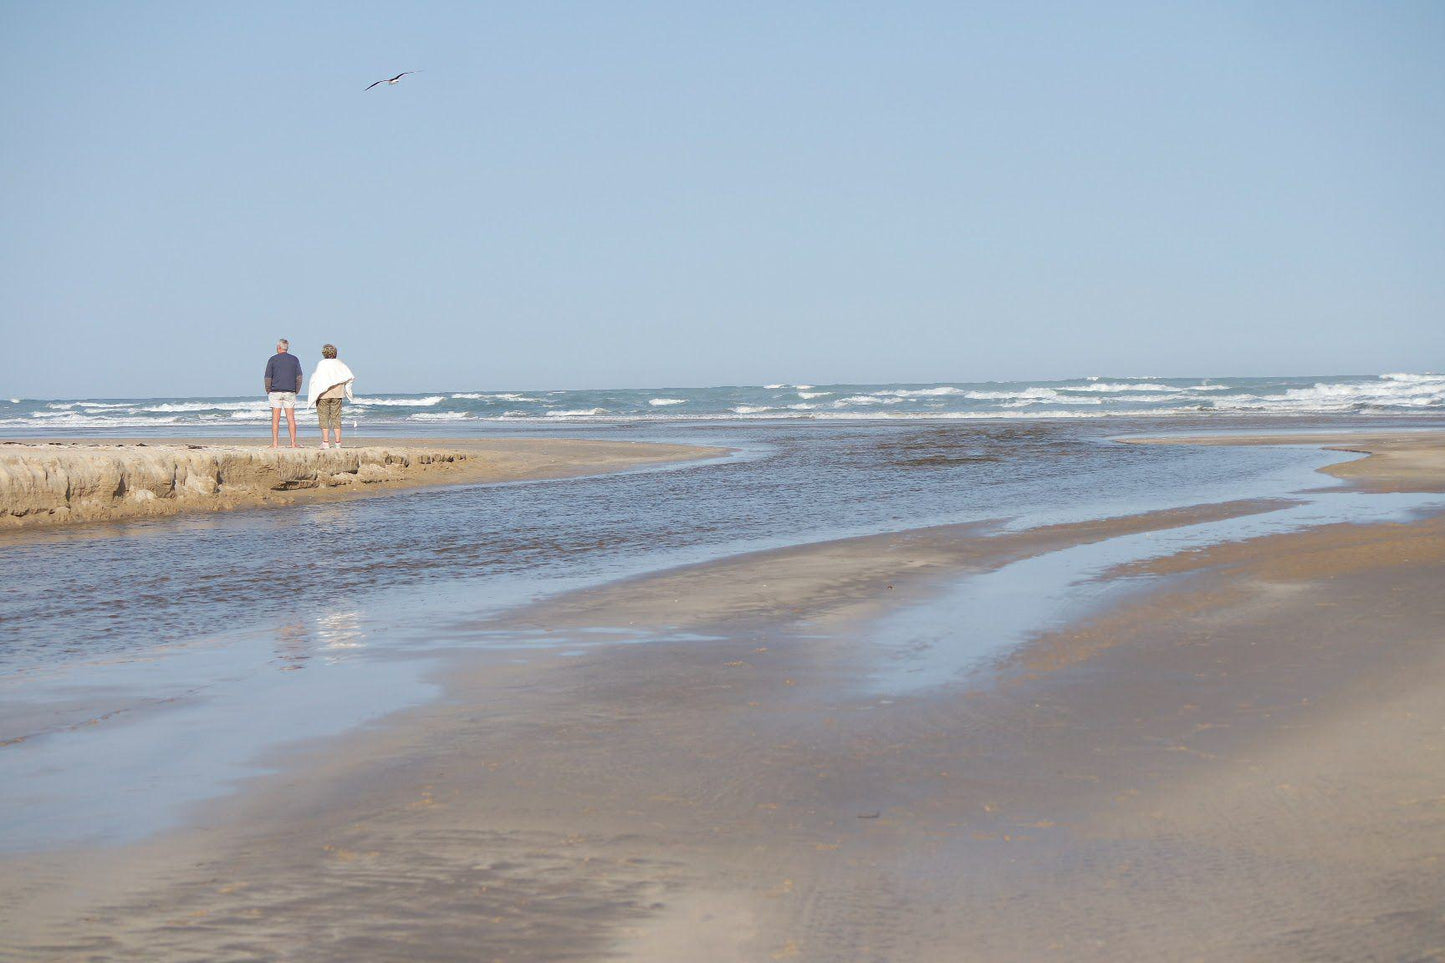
[609, 194]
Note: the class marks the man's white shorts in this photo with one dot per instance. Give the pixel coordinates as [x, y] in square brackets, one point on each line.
[282, 399]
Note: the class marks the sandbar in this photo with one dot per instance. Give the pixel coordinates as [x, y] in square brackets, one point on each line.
[1397, 461]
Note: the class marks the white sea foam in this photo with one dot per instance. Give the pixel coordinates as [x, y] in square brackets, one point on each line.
[814, 394]
[921, 392]
[185, 406]
[661, 402]
[774, 387]
[15, 401]
[499, 396]
[997, 415]
[1111, 387]
[1326, 398]
[865, 400]
[1240, 401]
[1137, 399]
[402, 402]
[437, 416]
[1404, 376]
[1033, 393]
[53, 415]
[78, 420]
[1038, 400]
[1399, 392]
[1022, 409]
[803, 387]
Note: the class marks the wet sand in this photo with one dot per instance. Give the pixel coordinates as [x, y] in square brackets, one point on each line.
[1396, 461]
[45, 483]
[1244, 762]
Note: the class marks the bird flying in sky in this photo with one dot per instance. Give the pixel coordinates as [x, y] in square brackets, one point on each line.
[392, 80]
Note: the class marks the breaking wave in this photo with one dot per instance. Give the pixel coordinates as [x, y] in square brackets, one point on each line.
[426, 402]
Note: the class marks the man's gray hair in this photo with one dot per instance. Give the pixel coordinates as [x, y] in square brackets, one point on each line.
[283, 343]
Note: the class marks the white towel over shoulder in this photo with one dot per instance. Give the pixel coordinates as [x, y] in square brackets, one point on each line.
[328, 374]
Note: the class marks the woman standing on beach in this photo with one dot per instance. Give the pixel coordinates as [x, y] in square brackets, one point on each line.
[330, 382]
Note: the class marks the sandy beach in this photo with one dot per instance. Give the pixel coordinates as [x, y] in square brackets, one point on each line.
[1240, 757]
[938, 483]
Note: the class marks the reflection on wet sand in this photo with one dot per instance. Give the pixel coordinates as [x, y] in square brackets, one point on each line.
[340, 630]
[293, 645]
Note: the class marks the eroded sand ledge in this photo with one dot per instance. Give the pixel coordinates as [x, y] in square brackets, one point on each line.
[49, 483]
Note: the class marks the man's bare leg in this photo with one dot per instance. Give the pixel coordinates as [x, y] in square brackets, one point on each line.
[276, 428]
[291, 425]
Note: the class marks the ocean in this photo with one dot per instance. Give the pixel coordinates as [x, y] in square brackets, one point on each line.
[464, 411]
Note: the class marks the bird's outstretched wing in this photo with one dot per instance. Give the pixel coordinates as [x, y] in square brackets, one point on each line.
[392, 80]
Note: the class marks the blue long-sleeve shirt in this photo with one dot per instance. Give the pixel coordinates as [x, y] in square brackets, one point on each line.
[283, 373]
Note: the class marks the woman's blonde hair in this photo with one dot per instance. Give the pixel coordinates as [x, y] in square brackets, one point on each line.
[328, 351]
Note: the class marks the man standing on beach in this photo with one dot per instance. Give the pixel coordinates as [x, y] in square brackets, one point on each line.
[283, 381]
